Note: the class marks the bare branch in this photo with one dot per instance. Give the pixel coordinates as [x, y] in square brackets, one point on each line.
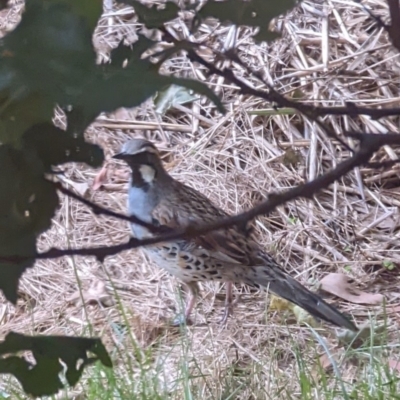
[394, 27]
[369, 144]
[271, 95]
[311, 112]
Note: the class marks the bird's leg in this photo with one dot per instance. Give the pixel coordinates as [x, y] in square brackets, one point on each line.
[229, 303]
[193, 290]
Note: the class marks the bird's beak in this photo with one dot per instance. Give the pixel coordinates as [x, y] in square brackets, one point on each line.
[120, 156]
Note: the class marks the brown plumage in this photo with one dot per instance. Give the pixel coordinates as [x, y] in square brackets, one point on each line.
[228, 255]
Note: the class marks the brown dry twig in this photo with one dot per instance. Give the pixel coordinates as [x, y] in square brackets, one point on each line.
[369, 144]
[383, 164]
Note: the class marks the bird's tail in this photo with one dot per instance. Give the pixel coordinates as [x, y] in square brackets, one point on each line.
[271, 277]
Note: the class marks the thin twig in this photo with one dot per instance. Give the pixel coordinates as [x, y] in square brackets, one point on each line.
[383, 164]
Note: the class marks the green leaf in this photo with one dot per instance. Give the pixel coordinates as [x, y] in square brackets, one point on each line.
[170, 96]
[153, 16]
[27, 205]
[77, 120]
[129, 86]
[90, 11]
[20, 111]
[347, 268]
[200, 88]
[254, 13]
[45, 61]
[54, 146]
[49, 59]
[389, 265]
[51, 49]
[291, 158]
[42, 378]
[368, 334]
[11, 272]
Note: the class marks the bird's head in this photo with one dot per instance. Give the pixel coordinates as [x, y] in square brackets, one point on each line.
[143, 158]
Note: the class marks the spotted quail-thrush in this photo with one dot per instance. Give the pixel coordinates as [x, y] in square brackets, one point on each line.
[227, 255]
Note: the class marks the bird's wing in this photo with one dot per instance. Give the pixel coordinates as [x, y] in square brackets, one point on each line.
[193, 209]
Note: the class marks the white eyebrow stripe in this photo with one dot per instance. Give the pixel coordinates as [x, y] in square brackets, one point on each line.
[149, 149]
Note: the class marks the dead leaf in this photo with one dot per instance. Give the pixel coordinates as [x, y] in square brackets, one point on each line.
[325, 362]
[324, 366]
[394, 365]
[100, 178]
[95, 294]
[171, 96]
[122, 114]
[80, 187]
[339, 285]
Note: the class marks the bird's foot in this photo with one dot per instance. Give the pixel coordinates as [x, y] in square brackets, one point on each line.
[228, 311]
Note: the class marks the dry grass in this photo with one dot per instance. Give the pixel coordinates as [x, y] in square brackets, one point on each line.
[237, 159]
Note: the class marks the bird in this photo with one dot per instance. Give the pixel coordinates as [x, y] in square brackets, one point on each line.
[230, 255]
